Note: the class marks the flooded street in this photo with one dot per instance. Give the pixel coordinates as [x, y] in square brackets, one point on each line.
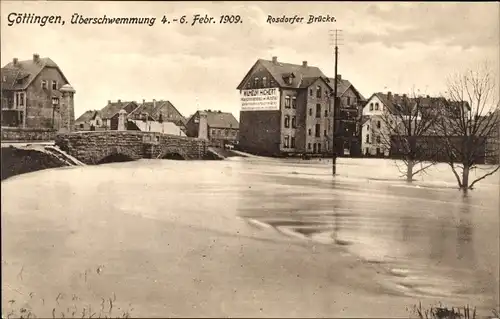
[249, 237]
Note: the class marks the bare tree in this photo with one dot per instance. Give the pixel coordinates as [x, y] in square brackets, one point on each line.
[407, 121]
[470, 124]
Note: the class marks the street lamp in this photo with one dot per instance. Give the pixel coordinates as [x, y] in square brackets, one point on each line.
[55, 105]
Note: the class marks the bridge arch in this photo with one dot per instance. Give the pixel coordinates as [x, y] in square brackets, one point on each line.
[173, 153]
[114, 154]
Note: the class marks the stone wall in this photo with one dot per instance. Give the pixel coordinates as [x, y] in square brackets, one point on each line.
[27, 134]
[93, 147]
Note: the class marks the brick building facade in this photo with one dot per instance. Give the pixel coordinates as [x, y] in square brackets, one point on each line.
[32, 95]
[221, 128]
[303, 121]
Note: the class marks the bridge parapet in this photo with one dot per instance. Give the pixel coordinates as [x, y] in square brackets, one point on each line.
[94, 146]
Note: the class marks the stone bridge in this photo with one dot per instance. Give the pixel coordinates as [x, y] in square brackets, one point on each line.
[103, 146]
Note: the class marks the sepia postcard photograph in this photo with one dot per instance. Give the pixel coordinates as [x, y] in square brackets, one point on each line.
[250, 159]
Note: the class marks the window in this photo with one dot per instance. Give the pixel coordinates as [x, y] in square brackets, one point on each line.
[294, 102]
[326, 113]
[371, 106]
[20, 96]
[378, 124]
[378, 151]
[309, 132]
[287, 121]
[44, 84]
[287, 102]
[348, 100]
[311, 92]
[367, 138]
[256, 83]
[310, 112]
[318, 130]
[366, 151]
[292, 142]
[376, 106]
[54, 85]
[294, 122]
[308, 146]
[378, 139]
[82, 125]
[319, 147]
[287, 141]
[368, 127]
[324, 132]
[318, 110]
[213, 132]
[318, 92]
[264, 82]
[271, 83]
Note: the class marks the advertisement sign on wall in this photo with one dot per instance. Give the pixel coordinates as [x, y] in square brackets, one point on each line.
[260, 99]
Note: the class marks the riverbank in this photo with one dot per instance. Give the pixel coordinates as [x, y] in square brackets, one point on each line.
[16, 161]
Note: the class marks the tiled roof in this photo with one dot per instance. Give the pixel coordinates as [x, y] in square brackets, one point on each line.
[85, 117]
[342, 86]
[155, 111]
[221, 120]
[280, 71]
[112, 108]
[26, 70]
[396, 102]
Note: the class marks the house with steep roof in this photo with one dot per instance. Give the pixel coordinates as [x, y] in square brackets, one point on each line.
[31, 94]
[222, 127]
[351, 103]
[383, 113]
[160, 111]
[109, 114]
[89, 121]
[287, 109]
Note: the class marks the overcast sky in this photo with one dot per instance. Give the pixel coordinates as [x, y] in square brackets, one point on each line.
[386, 46]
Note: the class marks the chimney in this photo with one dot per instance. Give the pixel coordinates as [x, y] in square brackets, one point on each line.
[143, 101]
[119, 101]
[275, 59]
[36, 57]
[389, 95]
[154, 103]
[15, 60]
[304, 63]
[339, 77]
[109, 101]
[428, 96]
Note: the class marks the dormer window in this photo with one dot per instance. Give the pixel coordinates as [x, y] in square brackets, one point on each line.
[45, 84]
[54, 85]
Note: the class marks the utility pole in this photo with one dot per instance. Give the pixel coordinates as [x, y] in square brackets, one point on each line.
[336, 105]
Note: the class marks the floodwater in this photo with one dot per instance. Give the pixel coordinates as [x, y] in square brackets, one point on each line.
[247, 237]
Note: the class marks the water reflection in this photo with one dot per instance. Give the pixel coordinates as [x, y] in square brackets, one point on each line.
[465, 247]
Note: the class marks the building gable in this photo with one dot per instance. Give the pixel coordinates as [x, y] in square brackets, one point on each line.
[19, 75]
[257, 68]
